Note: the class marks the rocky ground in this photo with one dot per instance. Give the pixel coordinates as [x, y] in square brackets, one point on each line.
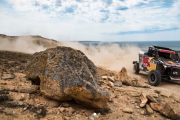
[19, 99]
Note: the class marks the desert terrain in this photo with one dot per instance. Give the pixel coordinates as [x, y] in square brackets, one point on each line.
[20, 100]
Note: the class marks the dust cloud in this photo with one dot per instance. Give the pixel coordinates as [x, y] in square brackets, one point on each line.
[21, 44]
[111, 56]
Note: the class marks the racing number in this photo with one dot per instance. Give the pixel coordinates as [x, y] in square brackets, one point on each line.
[146, 62]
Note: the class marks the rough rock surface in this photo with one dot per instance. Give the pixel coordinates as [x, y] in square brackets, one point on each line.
[144, 100]
[64, 74]
[128, 110]
[151, 98]
[168, 111]
[125, 79]
[149, 110]
[156, 106]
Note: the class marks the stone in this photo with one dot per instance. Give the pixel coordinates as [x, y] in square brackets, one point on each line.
[110, 84]
[151, 98]
[156, 106]
[19, 103]
[169, 112]
[118, 83]
[78, 115]
[148, 109]
[11, 76]
[104, 77]
[9, 111]
[110, 79]
[142, 112]
[128, 110]
[65, 74]
[143, 99]
[125, 79]
[28, 89]
[133, 94]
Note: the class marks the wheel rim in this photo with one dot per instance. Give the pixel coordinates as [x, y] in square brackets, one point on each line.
[152, 77]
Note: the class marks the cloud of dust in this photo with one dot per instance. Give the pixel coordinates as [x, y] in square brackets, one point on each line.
[21, 44]
[111, 56]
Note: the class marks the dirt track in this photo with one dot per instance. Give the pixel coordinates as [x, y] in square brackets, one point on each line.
[165, 85]
[36, 106]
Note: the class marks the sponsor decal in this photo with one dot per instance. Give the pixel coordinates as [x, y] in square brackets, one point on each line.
[146, 62]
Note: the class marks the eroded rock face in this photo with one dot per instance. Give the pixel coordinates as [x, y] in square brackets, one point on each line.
[66, 74]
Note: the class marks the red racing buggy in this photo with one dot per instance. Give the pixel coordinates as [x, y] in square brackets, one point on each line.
[158, 62]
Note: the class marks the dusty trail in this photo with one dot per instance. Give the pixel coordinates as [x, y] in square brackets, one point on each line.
[165, 85]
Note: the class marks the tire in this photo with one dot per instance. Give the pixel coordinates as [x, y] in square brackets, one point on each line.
[136, 68]
[154, 78]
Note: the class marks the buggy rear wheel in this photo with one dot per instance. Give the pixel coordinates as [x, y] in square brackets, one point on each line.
[136, 68]
[154, 78]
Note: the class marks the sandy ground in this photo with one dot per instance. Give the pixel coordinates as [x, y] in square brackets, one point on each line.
[165, 85]
[16, 105]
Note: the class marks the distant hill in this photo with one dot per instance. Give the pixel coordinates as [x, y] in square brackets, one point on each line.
[36, 39]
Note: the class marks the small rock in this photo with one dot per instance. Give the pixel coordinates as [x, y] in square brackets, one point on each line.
[142, 112]
[143, 100]
[110, 84]
[104, 77]
[8, 111]
[64, 104]
[95, 115]
[28, 89]
[111, 79]
[78, 115]
[133, 94]
[137, 107]
[149, 110]
[11, 76]
[25, 108]
[151, 98]
[128, 110]
[118, 83]
[156, 106]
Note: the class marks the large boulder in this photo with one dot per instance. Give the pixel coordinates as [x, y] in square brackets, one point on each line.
[64, 74]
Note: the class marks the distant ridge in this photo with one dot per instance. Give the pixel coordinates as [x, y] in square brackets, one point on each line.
[45, 42]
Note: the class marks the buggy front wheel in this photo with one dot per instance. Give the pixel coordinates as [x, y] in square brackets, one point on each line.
[154, 78]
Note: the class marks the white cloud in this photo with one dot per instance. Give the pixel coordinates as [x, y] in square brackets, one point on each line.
[80, 18]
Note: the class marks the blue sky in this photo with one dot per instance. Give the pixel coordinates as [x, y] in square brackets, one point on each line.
[96, 20]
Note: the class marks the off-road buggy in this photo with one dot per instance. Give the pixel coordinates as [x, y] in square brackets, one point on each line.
[158, 62]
